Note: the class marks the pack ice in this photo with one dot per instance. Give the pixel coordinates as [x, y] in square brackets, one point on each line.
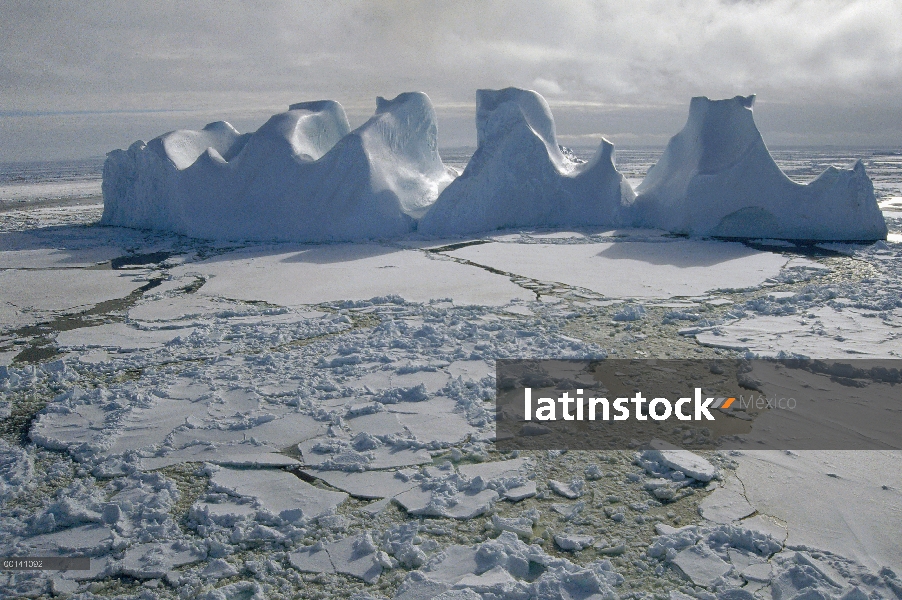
[717, 178]
[302, 176]
[519, 177]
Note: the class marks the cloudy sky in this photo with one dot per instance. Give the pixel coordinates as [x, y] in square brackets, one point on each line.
[80, 78]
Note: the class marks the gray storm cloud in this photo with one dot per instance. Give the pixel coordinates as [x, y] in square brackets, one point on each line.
[823, 71]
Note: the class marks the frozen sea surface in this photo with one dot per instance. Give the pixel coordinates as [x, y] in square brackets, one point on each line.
[49, 182]
[248, 420]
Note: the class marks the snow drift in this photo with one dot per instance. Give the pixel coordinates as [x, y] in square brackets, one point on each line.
[716, 177]
[303, 176]
[519, 177]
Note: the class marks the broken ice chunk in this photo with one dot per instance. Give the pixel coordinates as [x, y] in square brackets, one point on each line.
[573, 542]
[726, 504]
[399, 542]
[686, 462]
[664, 489]
[630, 312]
[312, 559]
[521, 492]
[701, 565]
[224, 513]
[571, 490]
[85, 539]
[462, 505]
[593, 472]
[218, 569]
[521, 525]
[355, 556]
[281, 493]
[611, 550]
[154, 560]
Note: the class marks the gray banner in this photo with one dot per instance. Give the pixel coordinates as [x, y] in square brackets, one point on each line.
[619, 404]
[54, 563]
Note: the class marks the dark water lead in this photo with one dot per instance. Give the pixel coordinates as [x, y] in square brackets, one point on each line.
[137, 260]
[40, 348]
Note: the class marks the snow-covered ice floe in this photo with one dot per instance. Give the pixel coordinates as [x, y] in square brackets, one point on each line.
[302, 176]
[717, 178]
[737, 562]
[842, 319]
[647, 267]
[833, 501]
[291, 276]
[519, 177]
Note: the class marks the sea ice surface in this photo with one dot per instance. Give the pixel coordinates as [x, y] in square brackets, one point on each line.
[822, 332]
[118, 336]
[279, 492]
[635, 269]
[845, 502]
[30, 296]
[315, 274]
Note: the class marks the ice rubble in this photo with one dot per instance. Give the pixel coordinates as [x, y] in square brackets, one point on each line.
[506, 567]
[349, 379]
[716, 177]
[841, 318]
[738, 563]
[16, 470]
[302, 176]
[519, 177]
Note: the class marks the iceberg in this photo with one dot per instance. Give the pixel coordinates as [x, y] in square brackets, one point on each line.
[519, 176]
[717, 178]
[303, 176]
